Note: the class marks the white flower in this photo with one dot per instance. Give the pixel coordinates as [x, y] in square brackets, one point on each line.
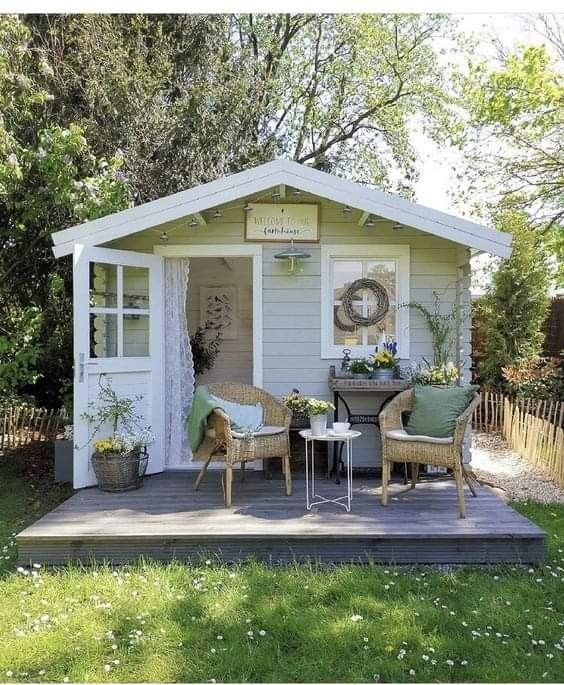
[356, 617]
[220, 637]
[425, 657]
[411, 671]
[262, 633]
[9, 673]
[450, 662]
[12, 159]
[46, 69]
[36, 565]
[464, 663]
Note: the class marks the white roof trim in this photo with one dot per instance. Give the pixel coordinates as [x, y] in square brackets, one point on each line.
[283, 172]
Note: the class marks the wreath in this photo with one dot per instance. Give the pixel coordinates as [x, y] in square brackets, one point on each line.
[381, 302]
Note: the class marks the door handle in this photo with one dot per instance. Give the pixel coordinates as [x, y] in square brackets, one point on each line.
[81, 364]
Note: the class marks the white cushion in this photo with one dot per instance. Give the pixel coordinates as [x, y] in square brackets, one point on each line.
[241, 416]
[265, 430]
[402, 435]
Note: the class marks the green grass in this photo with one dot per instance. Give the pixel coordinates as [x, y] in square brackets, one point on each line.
[150, 622]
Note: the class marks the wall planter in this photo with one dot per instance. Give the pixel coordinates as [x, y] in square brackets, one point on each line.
[120, 471]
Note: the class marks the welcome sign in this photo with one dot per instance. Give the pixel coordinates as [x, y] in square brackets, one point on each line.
[282, 222]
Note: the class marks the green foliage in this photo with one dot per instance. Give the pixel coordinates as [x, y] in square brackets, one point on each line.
[512, 135]
[360, 366]
[110, 408]
[515, 307]
[19, 351]
[204, 348]
[441, 326]
[49, 179]
[535, 378]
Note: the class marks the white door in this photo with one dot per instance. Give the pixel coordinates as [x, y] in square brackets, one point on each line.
[118, 337]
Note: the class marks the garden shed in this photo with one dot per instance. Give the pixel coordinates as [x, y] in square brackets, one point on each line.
[222, 253]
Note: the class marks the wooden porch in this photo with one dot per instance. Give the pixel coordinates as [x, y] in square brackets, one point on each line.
[167, 520]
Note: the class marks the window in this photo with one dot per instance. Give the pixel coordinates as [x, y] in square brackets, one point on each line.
[341, 266]
[119, 311]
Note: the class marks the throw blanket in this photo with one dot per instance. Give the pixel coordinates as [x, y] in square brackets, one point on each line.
[203, 405]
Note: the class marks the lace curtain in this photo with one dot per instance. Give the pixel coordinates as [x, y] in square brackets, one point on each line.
[179, 369]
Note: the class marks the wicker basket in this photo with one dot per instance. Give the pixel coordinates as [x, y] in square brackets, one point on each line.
[299, 420]
[117, 472]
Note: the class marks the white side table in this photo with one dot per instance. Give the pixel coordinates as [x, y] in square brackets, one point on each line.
[312, 497]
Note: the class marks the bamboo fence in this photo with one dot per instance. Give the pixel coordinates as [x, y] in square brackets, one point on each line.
[21, 426]
[533, 428]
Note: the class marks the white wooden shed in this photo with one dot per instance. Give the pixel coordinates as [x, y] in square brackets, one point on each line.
[144, 274]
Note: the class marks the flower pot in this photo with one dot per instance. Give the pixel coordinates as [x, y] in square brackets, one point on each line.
[383, 374]
[300, 419]
[119, 471]
[318, 424]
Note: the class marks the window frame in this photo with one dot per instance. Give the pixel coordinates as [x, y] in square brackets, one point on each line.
[120, 312]
[331, 253]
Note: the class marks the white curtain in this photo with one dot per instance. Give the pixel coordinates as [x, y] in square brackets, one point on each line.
[179, 369]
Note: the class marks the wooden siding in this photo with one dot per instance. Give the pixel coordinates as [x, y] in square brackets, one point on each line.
[291, 302]
[167, 520]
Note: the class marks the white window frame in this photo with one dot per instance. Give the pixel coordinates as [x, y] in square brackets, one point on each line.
[330, 253]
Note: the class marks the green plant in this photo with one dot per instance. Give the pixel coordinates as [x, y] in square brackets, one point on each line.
[536, 378]
[296, 402]
[360, 366]
[384, 359]
[441, 326]
[204, 348]
[515, 306]
[109, 408]
[318, 407]
[445, 374]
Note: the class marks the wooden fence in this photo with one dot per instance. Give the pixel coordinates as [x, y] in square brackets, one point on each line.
[23, 425]
[533, 428]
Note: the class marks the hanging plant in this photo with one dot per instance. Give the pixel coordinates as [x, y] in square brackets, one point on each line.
[204, 348]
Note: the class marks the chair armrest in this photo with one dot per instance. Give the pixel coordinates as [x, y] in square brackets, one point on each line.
[390, 416]
[463, 419]
[277, 414]
[221, 425]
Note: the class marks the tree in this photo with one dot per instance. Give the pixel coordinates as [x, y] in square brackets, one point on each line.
[515, 307]
[189, 98]
[49, 179]
[512, 133]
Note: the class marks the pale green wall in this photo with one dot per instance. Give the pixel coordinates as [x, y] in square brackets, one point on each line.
[291, 302]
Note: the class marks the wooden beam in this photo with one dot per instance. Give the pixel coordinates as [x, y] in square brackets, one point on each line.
[200, 218]
[363, 218]
[282, 191]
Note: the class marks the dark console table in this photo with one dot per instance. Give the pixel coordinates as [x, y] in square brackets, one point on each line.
[341, 385]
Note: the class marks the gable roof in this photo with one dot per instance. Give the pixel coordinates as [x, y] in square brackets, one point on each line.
[283, 172]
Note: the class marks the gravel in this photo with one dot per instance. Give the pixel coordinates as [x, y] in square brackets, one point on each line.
[496, 464]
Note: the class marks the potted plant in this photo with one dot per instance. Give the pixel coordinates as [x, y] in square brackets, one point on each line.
[439, 375]
[317, 411]
[298, 404]
[119, 460]
[360, 368]
[384, 362]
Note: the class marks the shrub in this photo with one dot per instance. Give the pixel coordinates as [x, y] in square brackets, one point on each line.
[535, 378]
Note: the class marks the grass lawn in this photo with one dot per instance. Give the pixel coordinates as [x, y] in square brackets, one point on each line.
[150, 622]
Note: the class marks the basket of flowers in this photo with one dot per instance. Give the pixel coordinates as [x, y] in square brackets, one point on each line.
[298, 404]
[120, 461]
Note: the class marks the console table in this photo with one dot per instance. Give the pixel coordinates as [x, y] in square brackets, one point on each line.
[339, 385]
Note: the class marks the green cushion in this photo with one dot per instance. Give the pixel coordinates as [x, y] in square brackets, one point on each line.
[435, 410]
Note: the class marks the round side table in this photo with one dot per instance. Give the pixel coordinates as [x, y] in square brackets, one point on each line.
[312, 497]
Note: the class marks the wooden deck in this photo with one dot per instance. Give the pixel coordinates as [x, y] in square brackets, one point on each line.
[166, 520]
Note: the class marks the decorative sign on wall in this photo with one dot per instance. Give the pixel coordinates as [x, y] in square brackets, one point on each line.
[282, 222]
[218, 308]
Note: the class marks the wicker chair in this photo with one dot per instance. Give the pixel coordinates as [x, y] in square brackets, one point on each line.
[397, 446]
[237, 450]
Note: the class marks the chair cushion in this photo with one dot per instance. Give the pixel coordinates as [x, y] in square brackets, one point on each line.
[243, 417]
[435, 410]
[261, 432]
[403, 435]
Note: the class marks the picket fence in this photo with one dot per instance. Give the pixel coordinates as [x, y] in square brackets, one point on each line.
[21, 426]
[533, 428]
